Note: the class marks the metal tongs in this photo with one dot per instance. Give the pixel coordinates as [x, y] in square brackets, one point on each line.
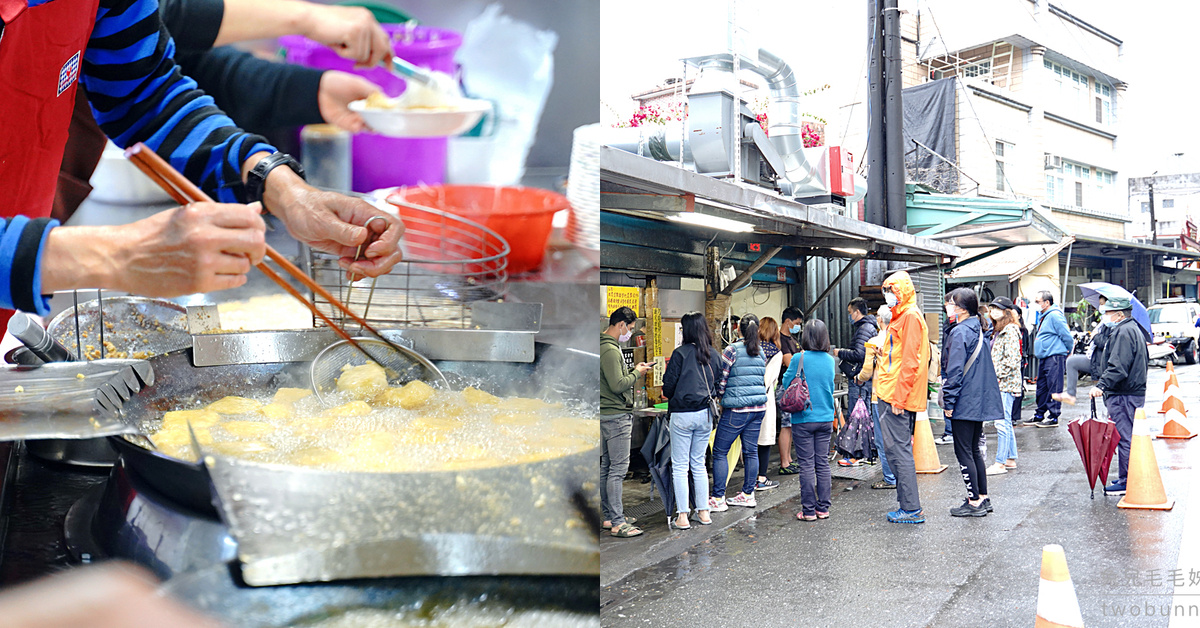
[69, 399]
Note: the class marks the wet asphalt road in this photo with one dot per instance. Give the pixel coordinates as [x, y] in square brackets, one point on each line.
[762, 567]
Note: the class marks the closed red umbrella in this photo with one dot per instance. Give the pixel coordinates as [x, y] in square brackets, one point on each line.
[1096, 439]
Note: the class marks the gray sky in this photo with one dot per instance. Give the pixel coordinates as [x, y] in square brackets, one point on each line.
[825, 42]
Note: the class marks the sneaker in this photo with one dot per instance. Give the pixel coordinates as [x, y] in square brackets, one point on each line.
[1033, 420]
[944, 439]
[883, 485]
[848, 462]
[871, 461]
[906, 516]
[742, 499]
[997, 469]
[791, 469]
[987, 504]
[967, 510]
[1114, 489]
[1048, 423]
[766, 485]
[717, 504]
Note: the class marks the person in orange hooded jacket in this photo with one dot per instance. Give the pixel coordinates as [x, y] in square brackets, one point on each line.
[901, 382]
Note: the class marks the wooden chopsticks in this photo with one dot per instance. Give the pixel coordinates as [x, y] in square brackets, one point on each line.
[184, 191]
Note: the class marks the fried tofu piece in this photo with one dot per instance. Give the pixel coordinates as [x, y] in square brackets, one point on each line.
[198, 418]
[477, 397]
[315, 457]
[516, 419]
[411, 396]
[249, 429]
[241, 448]
[525, 404]
[373, 444]
[276, 411]
[234, 405]
[436, 423]
[363, 382]
[354, 408]
[290, 395]
[571, 426]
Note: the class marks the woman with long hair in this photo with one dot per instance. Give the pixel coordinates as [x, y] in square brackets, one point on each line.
[1006, 356]
[688, 383]
[972, 397]
[744, 402]
[769, 340]
[813, 428]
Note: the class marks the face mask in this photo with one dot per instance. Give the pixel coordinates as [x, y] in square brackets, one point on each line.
[890, 299]
[997, 314]
[795, 329]
[626, 336]
[851, 317]
[950, 313]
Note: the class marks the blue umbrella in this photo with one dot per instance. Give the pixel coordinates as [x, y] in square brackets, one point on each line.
[1096, 289]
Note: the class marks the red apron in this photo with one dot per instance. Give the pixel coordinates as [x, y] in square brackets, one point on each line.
[41, 55]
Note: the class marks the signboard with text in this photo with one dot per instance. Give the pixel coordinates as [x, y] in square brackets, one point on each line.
[616, 297]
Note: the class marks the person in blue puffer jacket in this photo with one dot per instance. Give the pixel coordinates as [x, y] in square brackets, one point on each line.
[743, 392]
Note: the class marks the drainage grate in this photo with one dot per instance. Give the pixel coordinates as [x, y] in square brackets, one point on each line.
[865, 473]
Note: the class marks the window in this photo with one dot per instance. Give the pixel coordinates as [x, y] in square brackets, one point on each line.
[982, 68]
[1082, 186]
[1145, 207]
[999, 149]
[1079, 193]
[1070, 90]
[1168, 203]
[1104, 104]
[1000, 175]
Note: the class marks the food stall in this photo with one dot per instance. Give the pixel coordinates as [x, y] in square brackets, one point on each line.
[270, 479]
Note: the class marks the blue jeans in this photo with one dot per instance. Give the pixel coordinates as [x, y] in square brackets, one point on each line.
[689, 440]
[731, 426]
[888, 476]
[812, 452]
[1006, 437]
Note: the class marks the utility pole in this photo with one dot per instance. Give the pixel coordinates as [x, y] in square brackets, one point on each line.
[895, 204]
[1153, 222]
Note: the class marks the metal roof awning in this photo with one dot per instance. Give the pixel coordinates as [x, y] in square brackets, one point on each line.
[1108, 247]
[1006, 263]
[976, 221]
[649, 189]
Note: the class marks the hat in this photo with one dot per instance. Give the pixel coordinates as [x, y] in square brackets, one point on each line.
[1003, 302]
[1116, 304]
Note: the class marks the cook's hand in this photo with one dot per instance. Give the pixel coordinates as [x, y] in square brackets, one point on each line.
[352, 32]
[334, 95]
[200, 247]
[334, 223]
[1096, 392]
[113, 595]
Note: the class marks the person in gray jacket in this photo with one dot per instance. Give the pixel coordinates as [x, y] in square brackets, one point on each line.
[1123, 381]
[616, 419]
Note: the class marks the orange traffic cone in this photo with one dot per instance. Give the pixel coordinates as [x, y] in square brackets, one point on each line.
[1057, 606]
[1175, 411]
[925, 453]
[1143, 486]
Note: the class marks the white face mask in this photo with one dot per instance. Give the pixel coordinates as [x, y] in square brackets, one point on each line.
[626, 336]
[950, 313]
[997, 314]
[890, 299]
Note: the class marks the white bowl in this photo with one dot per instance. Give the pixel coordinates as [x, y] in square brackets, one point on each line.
[422, 122]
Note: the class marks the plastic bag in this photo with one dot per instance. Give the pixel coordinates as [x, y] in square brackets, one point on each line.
[510, 63]
[857, 439]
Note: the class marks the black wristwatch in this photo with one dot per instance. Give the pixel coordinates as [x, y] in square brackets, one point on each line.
[256, 181]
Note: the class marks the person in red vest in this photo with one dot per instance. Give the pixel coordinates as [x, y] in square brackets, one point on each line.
[119, 51]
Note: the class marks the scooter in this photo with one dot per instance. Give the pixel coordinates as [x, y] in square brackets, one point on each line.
[1160, 352]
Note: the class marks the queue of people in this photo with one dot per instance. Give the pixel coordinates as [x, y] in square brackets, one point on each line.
[892, 367]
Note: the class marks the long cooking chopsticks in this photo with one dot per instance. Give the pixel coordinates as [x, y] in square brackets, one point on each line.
[184, 191]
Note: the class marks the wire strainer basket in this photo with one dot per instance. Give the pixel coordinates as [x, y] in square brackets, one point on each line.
[449, 263]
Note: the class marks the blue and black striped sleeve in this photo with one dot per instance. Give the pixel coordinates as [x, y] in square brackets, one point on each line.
[22, 241]
[138, 94]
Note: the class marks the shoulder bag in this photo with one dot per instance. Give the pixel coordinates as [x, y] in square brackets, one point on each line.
[795, 398]
[714, 405]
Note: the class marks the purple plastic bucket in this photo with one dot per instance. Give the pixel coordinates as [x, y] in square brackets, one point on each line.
[379, 161]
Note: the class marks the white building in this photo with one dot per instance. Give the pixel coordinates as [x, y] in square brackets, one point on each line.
[1176, 202]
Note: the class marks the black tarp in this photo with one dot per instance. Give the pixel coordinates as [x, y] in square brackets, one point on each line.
[929, 119]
